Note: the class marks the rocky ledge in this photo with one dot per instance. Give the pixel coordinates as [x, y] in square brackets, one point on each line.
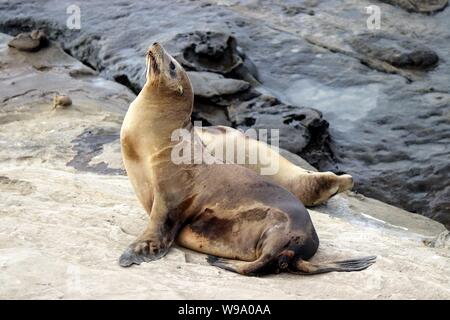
[67, 210]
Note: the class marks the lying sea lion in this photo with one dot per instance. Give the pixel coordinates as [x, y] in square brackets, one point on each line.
[29, 41]
[310, 187]
[249, 224]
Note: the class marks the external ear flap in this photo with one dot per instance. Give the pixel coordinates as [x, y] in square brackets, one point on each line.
[180, 89]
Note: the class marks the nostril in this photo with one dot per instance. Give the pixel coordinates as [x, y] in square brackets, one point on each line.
[155, 43]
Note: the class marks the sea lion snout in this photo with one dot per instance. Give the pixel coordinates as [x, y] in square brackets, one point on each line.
[157, 58]
[162, 68]
[156, 50]
[154, 60]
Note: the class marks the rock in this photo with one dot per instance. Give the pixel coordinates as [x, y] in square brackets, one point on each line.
[212, 52]
[419, 6]
[86, 130]
[32, 41]
[268, 113]
[247, 71]
[68, 211]
[389, 126]
[208, 84]
[225, 101]
[295, 10]
[299, 128]
[61, 101]
[398, 51]
[206, 51]
[442, 240]
[210, 114]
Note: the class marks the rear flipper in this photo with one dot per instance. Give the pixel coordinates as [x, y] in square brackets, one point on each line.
[307, 268]
[253, 268]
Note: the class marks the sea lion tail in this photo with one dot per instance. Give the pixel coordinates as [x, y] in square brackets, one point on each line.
[307, 268]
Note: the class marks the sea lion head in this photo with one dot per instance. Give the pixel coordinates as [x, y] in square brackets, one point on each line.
[329, 185]
[317, 188]
[166, 78]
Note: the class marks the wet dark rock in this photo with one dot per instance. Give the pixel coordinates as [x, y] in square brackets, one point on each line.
[90, 144]
[400, 52]
[210, 51]
[419, 6]
[319, 152]
[294, 10]
[302, 130]
[206, 51]
[425, 183]
[29, 41]
[247, 71]
[227, 100]
[87, 47]
[210, 115]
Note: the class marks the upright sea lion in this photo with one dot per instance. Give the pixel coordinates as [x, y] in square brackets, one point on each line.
[248, 224]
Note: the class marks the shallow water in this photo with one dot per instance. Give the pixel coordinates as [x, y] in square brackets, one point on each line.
[343, 107]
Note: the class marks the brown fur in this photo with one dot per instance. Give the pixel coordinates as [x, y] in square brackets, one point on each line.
[129, 149]
[224, 210]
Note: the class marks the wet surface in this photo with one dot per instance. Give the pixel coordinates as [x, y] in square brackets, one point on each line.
[90, 144]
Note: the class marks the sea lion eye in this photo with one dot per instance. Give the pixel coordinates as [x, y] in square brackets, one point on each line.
[172, 65]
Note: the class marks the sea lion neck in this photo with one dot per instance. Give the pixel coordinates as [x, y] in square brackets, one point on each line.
[152, 120]
[160, 110]
[163, 106]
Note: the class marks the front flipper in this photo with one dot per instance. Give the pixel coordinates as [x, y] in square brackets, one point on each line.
[145, 249]
[155, 242]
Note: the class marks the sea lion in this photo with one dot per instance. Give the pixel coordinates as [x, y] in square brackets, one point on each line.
[61, 100]
[248, 224]
[30, 41]
[310, 187]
